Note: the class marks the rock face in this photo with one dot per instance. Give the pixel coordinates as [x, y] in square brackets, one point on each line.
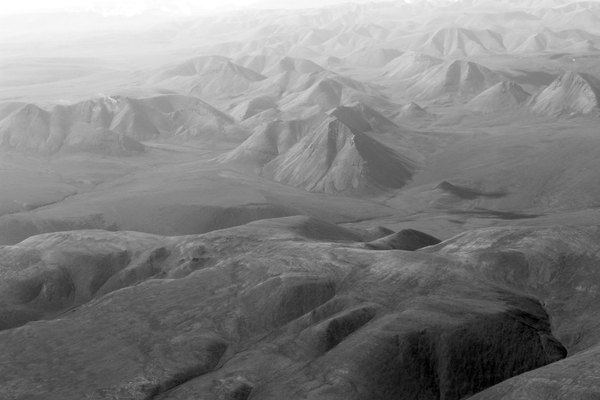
[569, 94]
[294, 307]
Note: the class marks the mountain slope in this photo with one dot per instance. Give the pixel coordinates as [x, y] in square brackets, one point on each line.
[461, 78]
[94, 124]
[571, 93]
[409, 64]
[500, 97]
[337, 158]
[207, 76]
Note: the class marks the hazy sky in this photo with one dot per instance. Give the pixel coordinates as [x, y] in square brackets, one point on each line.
[19, 6]
[133, 7]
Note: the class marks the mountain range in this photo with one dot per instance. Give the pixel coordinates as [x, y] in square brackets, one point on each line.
[367, 200]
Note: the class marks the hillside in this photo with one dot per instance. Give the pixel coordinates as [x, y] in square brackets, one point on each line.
[500, 97]
[336, 157]
[570, 93]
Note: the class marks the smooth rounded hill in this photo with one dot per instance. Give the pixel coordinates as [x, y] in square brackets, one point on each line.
[406, 239]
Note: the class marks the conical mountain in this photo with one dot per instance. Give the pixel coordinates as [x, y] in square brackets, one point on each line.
[271, 139]
[462, 78]
[571, 94]
[325, 93]
[500, 97]
[28, 129]
[337, 158]
[248, 108]
[535, 44]
[453, 42]
[410, 64]
[585, 46]
[207, 76]
[133, 119]
[412, 111]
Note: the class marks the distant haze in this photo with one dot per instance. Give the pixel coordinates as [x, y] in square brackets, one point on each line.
[136, 7]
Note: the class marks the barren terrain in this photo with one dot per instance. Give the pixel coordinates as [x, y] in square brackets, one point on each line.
[354, 201]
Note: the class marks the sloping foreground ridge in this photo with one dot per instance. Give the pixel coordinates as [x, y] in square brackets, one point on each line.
[298, 308]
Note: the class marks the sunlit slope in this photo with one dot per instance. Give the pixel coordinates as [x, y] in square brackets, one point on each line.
[569, 94]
